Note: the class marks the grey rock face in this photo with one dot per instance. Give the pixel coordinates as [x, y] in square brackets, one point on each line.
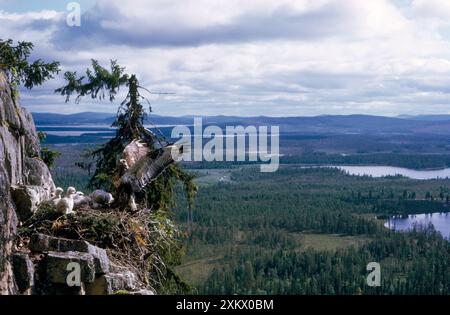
[97, 276]
[27, 199]
[19, 165]
[45, 243]
[8, 223]
[56, 266]
[20, 143]
[100, 258]
[36, 173]
[111, 283]
[42, 243]
[101, 286]
[125, 280]
[23, 272]
[114, 282]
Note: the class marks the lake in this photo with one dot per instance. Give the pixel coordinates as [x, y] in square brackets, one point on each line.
[80, 129]
[440, 221]
[380, 171]
[105, 131]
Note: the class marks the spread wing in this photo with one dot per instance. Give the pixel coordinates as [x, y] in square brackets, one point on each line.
[148, 167]
[134, 151]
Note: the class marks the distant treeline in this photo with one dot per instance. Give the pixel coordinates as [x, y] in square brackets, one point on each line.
[411, 161]
[87, 138]
[386, 203]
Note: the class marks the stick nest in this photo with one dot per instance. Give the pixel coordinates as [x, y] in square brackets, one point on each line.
[141, 241]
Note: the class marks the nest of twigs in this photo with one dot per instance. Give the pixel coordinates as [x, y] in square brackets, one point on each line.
[139, 241]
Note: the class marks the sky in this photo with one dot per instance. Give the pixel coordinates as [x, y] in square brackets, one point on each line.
[248, 58]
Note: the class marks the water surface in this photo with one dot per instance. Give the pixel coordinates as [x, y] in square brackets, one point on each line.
[440, 221]
[380, 171]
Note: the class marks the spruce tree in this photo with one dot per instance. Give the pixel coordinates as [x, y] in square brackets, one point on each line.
[15, 63]
[101, 83]
[156, 197]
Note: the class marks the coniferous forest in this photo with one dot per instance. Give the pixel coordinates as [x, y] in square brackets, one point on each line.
[311, 231]
[302, 231]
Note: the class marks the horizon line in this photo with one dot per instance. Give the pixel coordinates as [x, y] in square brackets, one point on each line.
[250, 116]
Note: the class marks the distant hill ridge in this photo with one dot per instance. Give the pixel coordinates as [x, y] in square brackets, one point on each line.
[434, 124]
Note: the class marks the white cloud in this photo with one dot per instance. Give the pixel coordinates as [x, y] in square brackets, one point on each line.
[285, 57]
[431, 9]
[31, 25]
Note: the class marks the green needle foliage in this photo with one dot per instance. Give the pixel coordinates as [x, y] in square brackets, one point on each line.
[158, 196]
[14, 61]
[101, 83]
[48, 156]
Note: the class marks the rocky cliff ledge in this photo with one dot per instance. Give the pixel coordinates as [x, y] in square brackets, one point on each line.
[40, 266]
